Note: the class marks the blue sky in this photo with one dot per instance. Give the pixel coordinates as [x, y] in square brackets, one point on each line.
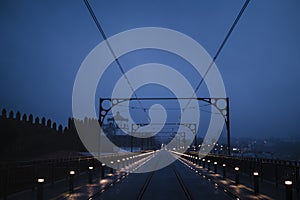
[42, 44]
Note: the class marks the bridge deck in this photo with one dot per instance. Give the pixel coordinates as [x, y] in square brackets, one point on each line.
[173, 182]
[180, 180]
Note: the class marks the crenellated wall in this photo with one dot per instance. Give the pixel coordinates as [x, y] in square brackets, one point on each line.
[27, 137]
[30, 119]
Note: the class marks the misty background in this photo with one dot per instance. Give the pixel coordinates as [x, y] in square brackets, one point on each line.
[42, 45]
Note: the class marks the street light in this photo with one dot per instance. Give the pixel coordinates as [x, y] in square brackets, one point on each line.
[256, 182]
[288, 189]
[71, 181]
[118, 165]
[112, 167]
[41, 180]
[90, 174]
[215, 166]
[40, 195]
[102, 170]
[224, 171]
[208, 165]
[237, 175]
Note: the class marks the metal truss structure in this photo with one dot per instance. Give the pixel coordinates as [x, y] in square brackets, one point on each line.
[223, 110]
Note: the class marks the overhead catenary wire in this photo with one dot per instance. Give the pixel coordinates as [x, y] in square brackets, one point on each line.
[87, 4]
[220, 48]
[218, 52]
[223, 43]
[206, 72]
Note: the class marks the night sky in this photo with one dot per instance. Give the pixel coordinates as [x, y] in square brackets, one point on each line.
[43, 43]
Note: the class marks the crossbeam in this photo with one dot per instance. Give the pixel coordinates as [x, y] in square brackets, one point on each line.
[224, 111]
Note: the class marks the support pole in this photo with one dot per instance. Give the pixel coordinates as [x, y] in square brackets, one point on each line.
[237, 175]
[227, 120]
[256, 182]
[288, 189]
[224, 171]
[102, 170]
[71, 181]
[215, 167]
[208, 165]
[40, 189]
[90, 178]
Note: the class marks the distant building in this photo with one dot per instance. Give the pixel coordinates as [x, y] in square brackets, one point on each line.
[115, 125]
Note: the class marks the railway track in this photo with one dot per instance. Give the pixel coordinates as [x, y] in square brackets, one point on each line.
[183, 186]
[134, 168]
[147, 184]
[220, 187]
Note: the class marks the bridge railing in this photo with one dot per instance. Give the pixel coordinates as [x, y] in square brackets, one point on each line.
[275, 171]
[17, 176]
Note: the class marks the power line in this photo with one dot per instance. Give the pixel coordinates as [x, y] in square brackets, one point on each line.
[223, 43]
[111, 50]
[219, 51]
[208, 69]
[221, 47]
